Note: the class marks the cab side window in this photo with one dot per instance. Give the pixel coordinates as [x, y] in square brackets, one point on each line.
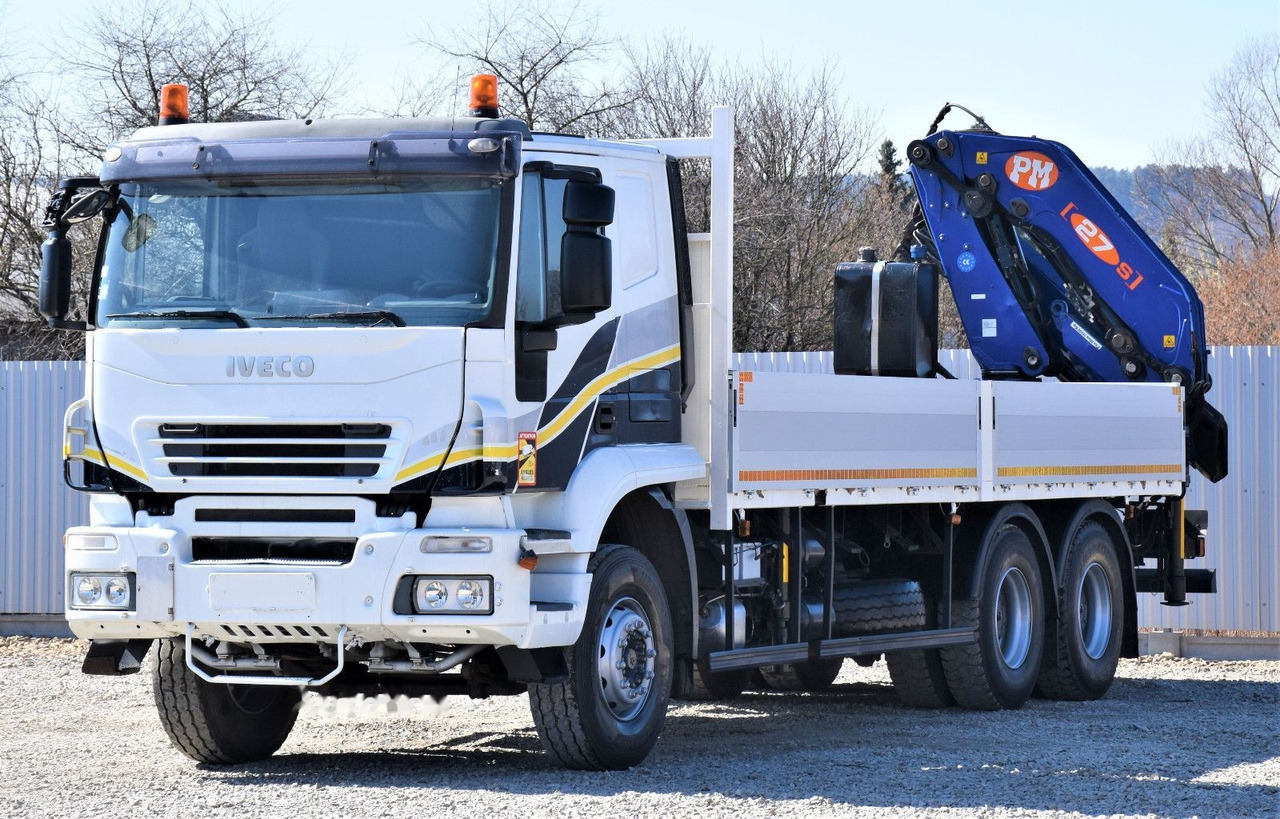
[542, 228]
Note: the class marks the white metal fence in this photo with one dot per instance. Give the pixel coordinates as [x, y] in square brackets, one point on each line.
[35, 505]
[1244, 509]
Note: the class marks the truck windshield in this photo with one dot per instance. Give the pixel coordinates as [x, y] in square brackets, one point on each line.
[419, 253]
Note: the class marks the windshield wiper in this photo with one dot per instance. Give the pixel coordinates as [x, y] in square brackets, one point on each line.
[228, 315]
[352, 317]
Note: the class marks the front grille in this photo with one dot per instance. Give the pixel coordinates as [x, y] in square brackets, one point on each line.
[274, 450]
[334, 551]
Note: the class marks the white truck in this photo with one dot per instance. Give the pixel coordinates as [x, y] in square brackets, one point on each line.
[442, 406]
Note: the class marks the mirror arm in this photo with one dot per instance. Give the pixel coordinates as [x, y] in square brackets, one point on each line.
[63, 197]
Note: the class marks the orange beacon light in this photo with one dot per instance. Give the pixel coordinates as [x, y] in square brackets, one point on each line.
[174, 109]
[484, 95]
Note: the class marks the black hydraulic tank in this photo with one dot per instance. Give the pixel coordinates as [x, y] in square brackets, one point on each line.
[886, 317]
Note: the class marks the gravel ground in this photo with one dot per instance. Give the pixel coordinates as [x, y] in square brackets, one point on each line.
[1175, 737]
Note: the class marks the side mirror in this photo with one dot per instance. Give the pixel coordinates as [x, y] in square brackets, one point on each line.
[78, 199]
[85, 205]
[586, 256]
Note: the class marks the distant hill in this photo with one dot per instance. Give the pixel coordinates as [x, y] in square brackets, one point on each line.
[1120, 182]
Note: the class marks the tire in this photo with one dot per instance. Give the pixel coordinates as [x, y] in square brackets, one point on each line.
[918, 678]
[1000, 669]
[215, 723]
[813, 676]
[863, 607]
[1082, 664]
[877, 606]
[591, 721]
[724, 685]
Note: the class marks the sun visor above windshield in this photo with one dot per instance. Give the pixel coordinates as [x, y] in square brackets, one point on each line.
[394, 155]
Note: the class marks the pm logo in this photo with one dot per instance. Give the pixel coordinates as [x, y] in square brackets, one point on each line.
[1031, 171]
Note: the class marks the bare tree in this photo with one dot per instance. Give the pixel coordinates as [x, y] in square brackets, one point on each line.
[233, 65]
[234, 68]
[1218, 195]
[801, 204]
[1242, 301]
[29, 162]
[542, 57]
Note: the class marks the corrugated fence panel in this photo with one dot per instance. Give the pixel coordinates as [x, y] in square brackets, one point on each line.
[1244, 509]
[36, 507]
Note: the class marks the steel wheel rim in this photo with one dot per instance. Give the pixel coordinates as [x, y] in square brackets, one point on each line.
[625, 657]
[1013, 617]
[1095, 610]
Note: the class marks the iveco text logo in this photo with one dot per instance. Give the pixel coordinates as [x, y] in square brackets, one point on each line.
[270, 366]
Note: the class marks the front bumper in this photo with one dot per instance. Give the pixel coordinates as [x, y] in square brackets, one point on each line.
[285, 601]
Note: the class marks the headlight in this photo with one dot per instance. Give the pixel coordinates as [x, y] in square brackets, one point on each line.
[473, 544]
[101, 591]
[453, 595]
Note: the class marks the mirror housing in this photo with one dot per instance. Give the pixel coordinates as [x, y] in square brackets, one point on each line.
[586, 255]
[78, 199]
[55, 277]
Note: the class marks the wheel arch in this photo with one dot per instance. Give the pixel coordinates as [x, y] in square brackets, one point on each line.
[977, 534]
[647, 521]
[1061, 527]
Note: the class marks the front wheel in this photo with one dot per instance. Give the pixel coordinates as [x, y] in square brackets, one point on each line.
[609, 711]
[220, 724]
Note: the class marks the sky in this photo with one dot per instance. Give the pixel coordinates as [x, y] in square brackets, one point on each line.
[1113, 80]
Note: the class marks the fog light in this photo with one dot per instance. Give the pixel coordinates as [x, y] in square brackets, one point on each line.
[471, 594]
[89, 590]
[432, 595]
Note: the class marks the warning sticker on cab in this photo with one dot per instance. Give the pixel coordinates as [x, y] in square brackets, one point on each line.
[527, 460]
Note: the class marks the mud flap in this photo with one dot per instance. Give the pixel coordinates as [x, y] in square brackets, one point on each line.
[112, 658]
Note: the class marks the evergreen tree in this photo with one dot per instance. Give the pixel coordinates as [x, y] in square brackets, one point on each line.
[888, 161]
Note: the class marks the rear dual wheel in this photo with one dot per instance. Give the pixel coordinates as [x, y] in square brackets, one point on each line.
[1000, 669]
[1081, 664]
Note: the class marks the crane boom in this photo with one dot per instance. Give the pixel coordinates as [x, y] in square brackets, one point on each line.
[1052, 277]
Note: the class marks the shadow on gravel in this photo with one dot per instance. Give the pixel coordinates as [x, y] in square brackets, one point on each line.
[856, 746]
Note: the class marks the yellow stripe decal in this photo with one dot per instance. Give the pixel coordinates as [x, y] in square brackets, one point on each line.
[116, 464]
[815, 475]
[601, 383]
[1093, 469]
[548, 433]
